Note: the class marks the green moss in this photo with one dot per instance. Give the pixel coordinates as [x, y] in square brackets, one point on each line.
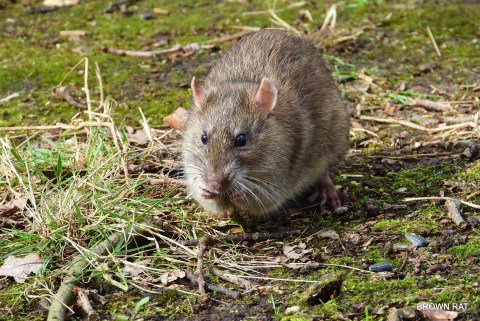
[469, 249]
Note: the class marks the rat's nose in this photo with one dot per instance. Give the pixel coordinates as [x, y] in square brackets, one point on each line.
[217, 185]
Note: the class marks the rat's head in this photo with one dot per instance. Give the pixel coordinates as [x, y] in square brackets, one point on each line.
[226, 146]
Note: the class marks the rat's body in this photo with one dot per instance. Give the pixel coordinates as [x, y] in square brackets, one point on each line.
[267, 124]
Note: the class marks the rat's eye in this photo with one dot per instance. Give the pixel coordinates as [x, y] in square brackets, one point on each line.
[240, 140]
[204, 138]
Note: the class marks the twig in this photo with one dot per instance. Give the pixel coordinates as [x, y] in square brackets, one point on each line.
[453, 208]
[418, 127]
[251, 237]
[433, 105]
[63, 296]
[202, 247]
[149, 54]
[434, 43]
[65, 92]
[211, 287]
[458, 119]
[226, 38]
[232, 278]
[9, 97]
[439, 198]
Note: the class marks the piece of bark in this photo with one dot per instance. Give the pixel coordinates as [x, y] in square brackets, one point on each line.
[453, 208]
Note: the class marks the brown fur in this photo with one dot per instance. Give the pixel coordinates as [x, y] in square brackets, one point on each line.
[289, 150]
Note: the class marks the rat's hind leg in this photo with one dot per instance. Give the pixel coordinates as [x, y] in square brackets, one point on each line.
[326, 193]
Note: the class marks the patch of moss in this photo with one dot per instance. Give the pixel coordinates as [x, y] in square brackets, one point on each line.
[469, 249]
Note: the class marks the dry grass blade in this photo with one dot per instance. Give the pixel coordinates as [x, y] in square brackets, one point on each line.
[434, 43]
[279, 22]
[330, 20]
[440, 198]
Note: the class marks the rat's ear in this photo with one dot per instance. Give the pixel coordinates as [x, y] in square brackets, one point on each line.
[198, 93]
[266, 97]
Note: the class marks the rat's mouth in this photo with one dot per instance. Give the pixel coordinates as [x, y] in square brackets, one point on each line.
[209, 194]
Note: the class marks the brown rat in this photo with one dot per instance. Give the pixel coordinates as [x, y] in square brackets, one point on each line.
[267, 123]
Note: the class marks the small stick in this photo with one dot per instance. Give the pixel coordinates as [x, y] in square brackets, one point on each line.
[252, 237]
[202, 247]
[65, 92]
[149, 54]
[453, 207]
[211, 287]
[438, 198]
[434, 43]
[10, 97]
[433, 105]
[232, 278]
[418, 127]
[226, 38]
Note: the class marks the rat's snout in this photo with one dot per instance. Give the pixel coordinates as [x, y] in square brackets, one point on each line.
[214, 187]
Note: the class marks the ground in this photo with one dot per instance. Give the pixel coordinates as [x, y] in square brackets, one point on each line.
[65, 189]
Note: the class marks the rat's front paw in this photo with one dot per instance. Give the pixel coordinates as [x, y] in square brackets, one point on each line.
[327, 193]
[223, 215]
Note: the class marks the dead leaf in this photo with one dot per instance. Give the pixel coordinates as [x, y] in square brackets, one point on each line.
[136, 268]
[328, 234]
[14, 206]
[435, 314]
[20, 267]
[262, 289]
[177, 119]
[170, 276]
[139, 137]
[296, 251]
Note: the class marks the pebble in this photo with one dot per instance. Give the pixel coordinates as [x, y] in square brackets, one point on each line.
[416, 239]
[381, 267]
[146, 16]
